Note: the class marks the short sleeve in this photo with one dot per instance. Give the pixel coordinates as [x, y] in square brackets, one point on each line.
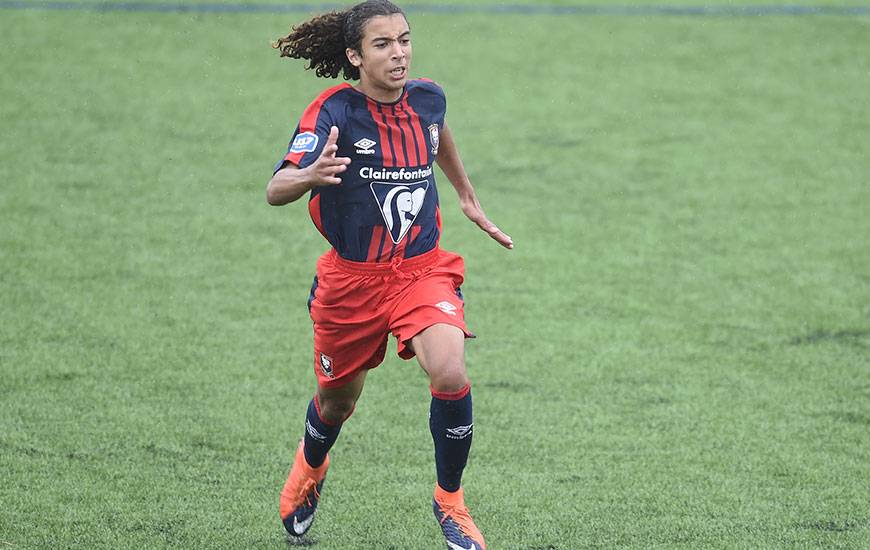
[435, 98]
[312, 131]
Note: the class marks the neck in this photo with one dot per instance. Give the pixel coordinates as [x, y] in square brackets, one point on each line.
[379, 94]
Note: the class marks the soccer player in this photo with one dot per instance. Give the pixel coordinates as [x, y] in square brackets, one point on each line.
[364, 154]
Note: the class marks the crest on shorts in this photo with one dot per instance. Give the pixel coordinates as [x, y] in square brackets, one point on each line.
[326, 366]
[399, 204]
[434, 137]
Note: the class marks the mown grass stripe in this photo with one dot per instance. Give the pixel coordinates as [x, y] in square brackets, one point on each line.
[507, 9]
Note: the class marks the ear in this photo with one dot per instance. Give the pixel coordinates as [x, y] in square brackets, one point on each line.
[354, 57]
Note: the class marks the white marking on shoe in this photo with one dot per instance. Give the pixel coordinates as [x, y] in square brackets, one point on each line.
[454, 546]
[299, 527]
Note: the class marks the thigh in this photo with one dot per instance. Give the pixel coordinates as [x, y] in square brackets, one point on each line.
[343, 350]
[350, 330]
[440, 350]
[434, 299]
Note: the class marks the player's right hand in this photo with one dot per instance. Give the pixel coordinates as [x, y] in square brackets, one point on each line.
[325, 170]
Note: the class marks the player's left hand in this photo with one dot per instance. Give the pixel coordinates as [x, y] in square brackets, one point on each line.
[471, 208]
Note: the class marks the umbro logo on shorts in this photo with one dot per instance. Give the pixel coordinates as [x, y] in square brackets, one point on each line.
[446, 307]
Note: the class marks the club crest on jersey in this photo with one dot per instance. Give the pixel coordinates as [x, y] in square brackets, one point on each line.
[434, 137]
[305, 142]
[399, 205]
[326, 366]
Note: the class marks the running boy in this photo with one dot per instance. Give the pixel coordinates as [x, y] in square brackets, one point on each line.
[364, 155]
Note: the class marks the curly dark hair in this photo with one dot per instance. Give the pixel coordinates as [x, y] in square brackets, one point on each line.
[323, 40]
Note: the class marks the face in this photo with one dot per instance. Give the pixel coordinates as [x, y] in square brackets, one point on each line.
[385, 57]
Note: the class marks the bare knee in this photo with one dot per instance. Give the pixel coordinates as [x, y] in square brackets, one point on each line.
[440, 350]
[448, 377]
[335, 409]
[336, 404]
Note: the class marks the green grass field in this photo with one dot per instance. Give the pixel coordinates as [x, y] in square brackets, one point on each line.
[676, 354]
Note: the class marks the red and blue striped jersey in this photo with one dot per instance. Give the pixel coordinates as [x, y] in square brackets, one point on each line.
[386, 205]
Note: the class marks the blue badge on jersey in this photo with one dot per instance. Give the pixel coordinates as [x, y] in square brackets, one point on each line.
[399, 204]
[305, 142]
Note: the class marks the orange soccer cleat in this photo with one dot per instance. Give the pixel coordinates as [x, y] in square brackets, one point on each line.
[459, 529]
[301, 494]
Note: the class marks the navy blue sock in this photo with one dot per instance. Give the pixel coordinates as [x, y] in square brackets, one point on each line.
[319, 436]
[451, 424]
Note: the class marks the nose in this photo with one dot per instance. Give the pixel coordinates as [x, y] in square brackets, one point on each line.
[397, 51]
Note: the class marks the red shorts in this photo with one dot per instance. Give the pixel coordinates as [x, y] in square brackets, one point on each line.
[355, 306]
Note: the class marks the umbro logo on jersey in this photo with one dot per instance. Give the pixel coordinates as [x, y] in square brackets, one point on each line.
[446, 307]
[364, 146]
[459, 432]
[399, 205]
[305, 142]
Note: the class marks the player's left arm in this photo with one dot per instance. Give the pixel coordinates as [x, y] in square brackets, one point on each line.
[450, 163]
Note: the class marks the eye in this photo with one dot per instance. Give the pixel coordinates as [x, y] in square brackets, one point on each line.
[406, 41]
[381, 45]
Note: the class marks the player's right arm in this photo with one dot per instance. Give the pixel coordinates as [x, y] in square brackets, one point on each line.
[291, 182]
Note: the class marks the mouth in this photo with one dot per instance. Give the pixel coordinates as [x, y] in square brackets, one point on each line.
[399, 72]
